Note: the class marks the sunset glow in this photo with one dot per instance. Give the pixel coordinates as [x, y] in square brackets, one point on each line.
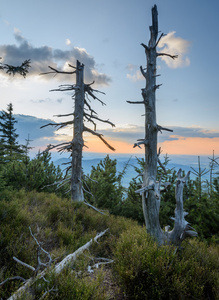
[184, 146]
[191, 146]
[96, 145]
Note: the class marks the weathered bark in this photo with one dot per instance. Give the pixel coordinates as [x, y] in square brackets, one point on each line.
[78, 143]
[151, 187]
[82, 92]
[150, 201]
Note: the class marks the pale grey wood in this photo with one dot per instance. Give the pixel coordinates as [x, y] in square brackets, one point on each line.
[151, 189]
[77, 194]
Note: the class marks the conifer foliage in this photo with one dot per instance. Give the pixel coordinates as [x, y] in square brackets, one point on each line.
[10, 149]
[17, 169]
[104, 186]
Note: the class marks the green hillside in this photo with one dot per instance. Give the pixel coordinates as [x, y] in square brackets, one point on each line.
[140, 270]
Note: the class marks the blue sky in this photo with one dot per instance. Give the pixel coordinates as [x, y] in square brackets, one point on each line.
[106, 37]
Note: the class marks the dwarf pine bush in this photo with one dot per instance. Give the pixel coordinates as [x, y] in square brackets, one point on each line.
[147, 271]
[142, 270]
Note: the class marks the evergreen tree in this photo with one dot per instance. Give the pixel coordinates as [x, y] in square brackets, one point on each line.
[2, 152]
[105, 185]
[38, 174]
[131, 207]
[9, 148]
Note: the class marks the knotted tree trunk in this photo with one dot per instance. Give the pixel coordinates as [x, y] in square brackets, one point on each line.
[151, 192]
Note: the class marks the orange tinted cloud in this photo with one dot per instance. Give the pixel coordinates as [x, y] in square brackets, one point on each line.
[191, 146]
[96, 145]
[182, 146]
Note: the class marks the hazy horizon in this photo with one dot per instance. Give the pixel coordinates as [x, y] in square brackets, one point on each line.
[187, 160]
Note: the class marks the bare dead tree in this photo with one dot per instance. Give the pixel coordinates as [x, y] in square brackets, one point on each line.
[150, 191]
[83, 94]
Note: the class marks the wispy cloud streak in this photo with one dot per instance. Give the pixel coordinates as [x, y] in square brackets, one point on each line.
[130, 133]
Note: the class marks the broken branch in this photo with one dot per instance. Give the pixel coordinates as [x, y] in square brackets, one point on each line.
[23, 263]
[145, 189]
[13, 278]
[60, 125]
[71, 257]
[96, 118]
[65, 87]
[165, 54]
[142, 142]
[146, 47]
[94, 97]
[135, 102]
[160, 128]
[55, 71]
[162, 34]
[99, 136]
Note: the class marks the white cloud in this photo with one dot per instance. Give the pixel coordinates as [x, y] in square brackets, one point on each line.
[134, 73]
[173, 45]
[136, 76]
[44, 56]
[68, 42]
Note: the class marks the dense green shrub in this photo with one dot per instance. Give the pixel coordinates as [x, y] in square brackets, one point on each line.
[38, 174]
[146, 271]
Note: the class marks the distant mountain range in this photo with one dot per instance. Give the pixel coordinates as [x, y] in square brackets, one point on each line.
[185, 162]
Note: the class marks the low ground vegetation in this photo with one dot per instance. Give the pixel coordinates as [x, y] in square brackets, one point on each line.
[140, 269]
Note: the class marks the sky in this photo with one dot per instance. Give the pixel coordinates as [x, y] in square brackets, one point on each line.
[106, 37]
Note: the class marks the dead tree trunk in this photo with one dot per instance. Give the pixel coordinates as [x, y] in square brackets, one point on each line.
[78, 143]
[83, 111]
[151, 193]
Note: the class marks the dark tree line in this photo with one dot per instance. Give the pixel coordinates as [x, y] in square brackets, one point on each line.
[9, 147]
[17, 169]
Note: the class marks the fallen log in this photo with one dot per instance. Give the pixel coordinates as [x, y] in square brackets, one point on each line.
[58, 268]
